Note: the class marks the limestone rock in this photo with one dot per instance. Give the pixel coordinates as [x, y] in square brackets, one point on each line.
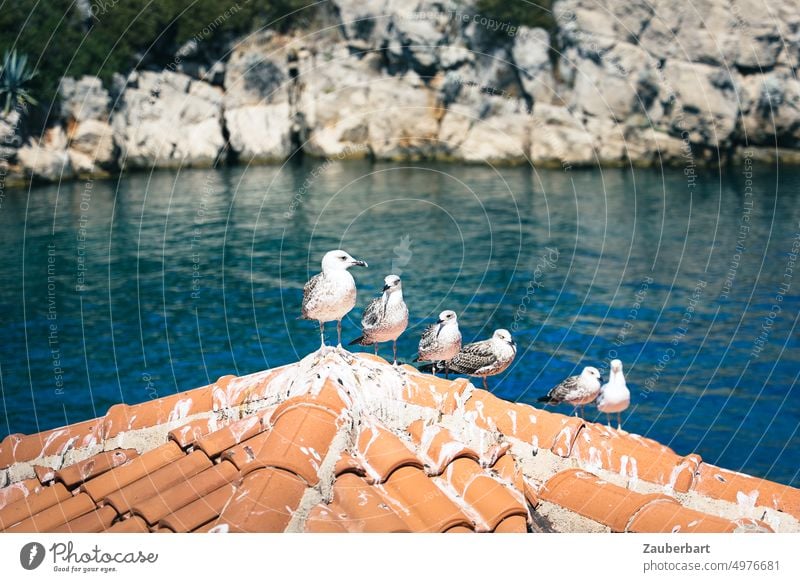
[47, 160]
[83, 99]
[167, 119]
[558, 138]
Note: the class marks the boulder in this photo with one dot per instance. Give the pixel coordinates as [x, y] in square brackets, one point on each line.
[91, 146]
[771, 109]
[83, 99]
[402, 120]
[48, 159]
[168, 119]
[558, 138]
[703, 101]
[260, 133]
[531, 55]
[334, 105]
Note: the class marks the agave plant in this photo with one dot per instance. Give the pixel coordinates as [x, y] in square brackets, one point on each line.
[14, 74]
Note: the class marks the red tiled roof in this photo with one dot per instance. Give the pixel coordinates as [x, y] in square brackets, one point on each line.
[348, 443]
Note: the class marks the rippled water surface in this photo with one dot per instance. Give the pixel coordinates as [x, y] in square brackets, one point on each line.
[130, 289]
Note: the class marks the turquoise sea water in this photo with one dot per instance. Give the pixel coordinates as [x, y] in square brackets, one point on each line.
[130, 289]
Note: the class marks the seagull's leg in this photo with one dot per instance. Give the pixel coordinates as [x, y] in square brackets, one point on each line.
[608, 420]
[619, 420]
[375, 345]
[321, 335]
[447, 370]
[485, 384]
[339, 332]
[394, 350]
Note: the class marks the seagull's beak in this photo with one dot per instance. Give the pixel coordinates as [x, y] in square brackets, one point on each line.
[358, 263]
[441, 327]
[385, 287]
[512, 343]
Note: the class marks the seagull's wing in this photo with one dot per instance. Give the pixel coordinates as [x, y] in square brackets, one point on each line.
[473, 357]
[372, 314]
[308, 293]
[560, 392]
[428, 337]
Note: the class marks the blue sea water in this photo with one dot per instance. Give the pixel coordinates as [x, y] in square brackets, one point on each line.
[126, 290]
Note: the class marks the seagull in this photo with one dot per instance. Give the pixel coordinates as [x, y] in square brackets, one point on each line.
[331, 294]
[614, 395]
[385, 318]
[441, 341]
[576, 390]
[485, 358]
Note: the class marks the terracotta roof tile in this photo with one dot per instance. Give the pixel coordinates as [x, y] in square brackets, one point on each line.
[542, 429]
[633, 457]
[347, 463]
[93, 522]
[383, 453]
[594, 498]
[358, 507]
[234, 433]
[513, 524]
[298, 442]
[123, 417]
[94, 466]
[159, 480]
[18, 491]
[264, 502]
[425, 507]
[17, 448]
[44, 474]
[459, 529]
[668, 516]
[738, 488]
[331, 396]
[133, 524]
[322, 519]
[433, 392]
[488, 498]
[32, 504]
[230, 391]
[438, 446]
[457, 467]
[185, 491]
[119, 477]
[199, 512]
[187, 434]
[55, 515]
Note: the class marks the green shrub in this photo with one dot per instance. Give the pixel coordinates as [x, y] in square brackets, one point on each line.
[533, 13]
[125, 34]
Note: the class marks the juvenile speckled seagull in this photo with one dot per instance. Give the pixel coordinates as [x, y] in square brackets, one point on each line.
[576, 390]
[331, 294]
[485, 358]
[440, 342]
[385, 318]
[614, 394]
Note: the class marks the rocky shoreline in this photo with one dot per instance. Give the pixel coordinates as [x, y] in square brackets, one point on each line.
[614, 83]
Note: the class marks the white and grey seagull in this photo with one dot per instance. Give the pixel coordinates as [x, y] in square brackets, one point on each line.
[385, 318]
[576, 390]
[440, 342]
[485, 358]
[331, 294]
[614, 394]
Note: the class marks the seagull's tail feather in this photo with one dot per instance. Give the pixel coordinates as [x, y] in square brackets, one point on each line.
[429, 367]
[545, 399]
[361, 341]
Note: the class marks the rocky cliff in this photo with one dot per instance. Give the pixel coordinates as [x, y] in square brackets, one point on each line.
[639, 82]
